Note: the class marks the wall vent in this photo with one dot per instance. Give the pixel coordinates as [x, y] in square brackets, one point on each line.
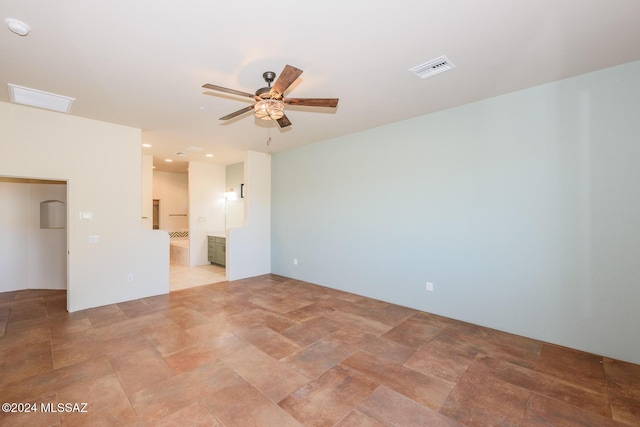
[431, 68]
[40, 99]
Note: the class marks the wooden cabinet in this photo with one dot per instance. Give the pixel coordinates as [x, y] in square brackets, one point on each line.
[217, 250]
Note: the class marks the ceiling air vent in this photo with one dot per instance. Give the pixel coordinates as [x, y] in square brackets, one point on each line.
[431, 68]
[40, 99]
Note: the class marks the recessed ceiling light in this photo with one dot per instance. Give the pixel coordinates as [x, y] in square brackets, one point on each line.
[40, 99]
[18, 27]
[209, 155]
[146, 145]
[168, 160]
[181, 154]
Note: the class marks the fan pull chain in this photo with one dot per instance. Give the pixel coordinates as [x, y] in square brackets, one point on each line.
[268, 141]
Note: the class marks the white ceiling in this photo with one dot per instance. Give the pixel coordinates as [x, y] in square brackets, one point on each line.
[142, 63]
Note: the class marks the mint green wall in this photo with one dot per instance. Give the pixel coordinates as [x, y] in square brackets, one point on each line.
[523, 210]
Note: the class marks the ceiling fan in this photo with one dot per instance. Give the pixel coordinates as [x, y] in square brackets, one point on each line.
[270, 100]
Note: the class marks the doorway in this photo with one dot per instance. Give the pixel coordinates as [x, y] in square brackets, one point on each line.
[156, 214]
[33, 252]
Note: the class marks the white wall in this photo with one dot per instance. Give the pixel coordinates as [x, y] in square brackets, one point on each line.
[147, 192]
[523, 210]
[14, 229]
[102, 165]
[172, 189]
[47, 263]
[235, 207]
[206, 207]
[249, 247]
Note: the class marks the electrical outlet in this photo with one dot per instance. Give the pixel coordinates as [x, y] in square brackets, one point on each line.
[429, 286]
[295, 261]
[129, 277]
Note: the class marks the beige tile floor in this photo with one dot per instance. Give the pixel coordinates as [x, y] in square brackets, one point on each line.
[183, 277]
[272, 351]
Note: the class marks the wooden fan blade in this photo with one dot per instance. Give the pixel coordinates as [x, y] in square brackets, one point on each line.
[283, 121]
[237, 113]
[224, 89]
[287, 76]
[312, 102]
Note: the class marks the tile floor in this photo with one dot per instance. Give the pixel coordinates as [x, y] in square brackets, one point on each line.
[271, 351]
[183, 277]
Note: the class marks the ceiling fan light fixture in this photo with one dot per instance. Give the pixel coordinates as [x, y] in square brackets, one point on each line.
[269, 109]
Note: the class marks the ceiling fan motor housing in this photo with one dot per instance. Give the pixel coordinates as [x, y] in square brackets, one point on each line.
[264, 93]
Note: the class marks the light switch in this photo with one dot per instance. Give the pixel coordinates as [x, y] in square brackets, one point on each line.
[86, 215]
[94, 238]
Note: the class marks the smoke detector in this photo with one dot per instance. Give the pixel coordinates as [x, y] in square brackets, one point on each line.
[18, 27]
[433, 67]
